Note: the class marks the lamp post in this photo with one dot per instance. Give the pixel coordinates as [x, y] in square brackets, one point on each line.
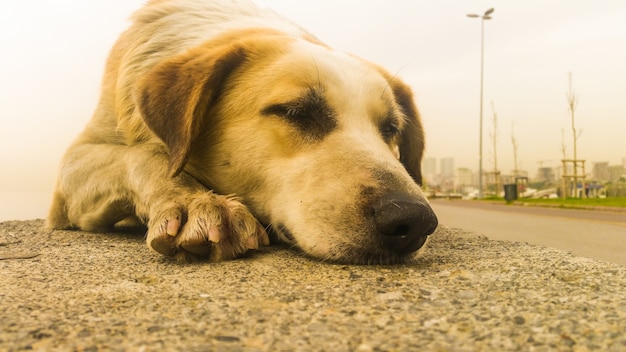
[485, 16]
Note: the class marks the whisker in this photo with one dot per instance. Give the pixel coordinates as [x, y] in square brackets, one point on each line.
[394, 76]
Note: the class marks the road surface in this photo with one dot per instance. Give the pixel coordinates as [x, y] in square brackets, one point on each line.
[588, 233]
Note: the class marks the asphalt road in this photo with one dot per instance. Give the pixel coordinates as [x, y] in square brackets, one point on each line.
[589, 233]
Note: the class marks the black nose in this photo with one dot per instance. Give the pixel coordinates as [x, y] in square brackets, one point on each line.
[404, 222]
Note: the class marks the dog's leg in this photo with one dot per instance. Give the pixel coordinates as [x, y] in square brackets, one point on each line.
[92, 193]
[57, 215]
[102, 184]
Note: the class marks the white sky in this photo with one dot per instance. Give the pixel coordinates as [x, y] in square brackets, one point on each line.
[52, 55]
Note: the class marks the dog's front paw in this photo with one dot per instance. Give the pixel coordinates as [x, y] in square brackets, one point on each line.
[204, 225]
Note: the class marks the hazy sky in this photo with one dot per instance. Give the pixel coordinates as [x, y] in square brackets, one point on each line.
[52, 56]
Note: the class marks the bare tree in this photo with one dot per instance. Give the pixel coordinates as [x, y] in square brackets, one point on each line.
[572, 104]
[515, 146]
[563, 147]
[494, 137]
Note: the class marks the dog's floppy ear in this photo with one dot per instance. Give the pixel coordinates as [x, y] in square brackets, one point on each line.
[412, 137]
[175, 95]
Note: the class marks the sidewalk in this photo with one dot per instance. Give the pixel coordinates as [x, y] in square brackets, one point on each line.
[66, 290]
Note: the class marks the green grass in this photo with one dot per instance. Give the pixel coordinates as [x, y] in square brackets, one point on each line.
[579, 203]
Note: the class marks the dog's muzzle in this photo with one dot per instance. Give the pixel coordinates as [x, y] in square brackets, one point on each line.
[404, 222]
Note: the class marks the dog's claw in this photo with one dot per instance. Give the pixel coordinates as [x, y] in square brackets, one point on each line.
[252, 243]
[173, 226]
[265, 238]
[214, 234]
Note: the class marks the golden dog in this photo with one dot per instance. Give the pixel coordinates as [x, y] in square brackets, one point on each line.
[219, 120]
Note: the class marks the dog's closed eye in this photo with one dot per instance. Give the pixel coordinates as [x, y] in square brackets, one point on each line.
[309, 113]
[389, 130]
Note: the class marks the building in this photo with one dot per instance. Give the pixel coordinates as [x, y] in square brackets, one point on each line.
[429, 169]
[463, 178]
[600, 172]
[446, 167]
[616, 172]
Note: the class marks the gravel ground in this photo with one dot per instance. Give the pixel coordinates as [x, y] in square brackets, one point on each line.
[65, 290]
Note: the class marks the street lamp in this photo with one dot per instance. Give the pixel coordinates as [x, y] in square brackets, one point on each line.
[485, 16]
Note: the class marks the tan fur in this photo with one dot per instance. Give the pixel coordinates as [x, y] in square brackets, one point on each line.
[190, 138]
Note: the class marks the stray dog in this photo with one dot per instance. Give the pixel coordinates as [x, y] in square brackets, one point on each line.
[219, 121]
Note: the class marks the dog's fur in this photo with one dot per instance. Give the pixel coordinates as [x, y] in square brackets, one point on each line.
[218, 119]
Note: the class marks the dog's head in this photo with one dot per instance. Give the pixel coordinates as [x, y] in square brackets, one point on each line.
[321, 145]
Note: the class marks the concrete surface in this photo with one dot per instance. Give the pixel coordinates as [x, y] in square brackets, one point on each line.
[87, 292]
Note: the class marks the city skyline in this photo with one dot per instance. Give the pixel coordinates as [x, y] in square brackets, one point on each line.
[592, 168]
[429, 161]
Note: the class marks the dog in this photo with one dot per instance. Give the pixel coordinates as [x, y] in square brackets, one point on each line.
[220, 122]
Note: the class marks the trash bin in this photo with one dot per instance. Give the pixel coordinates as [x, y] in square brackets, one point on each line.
[510, 192]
